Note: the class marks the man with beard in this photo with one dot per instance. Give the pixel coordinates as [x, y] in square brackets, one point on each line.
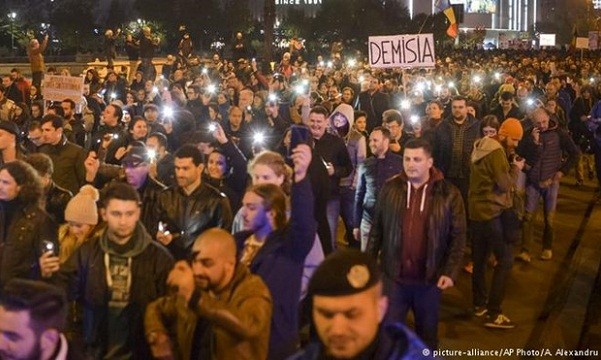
[219, 309]
[32, 318]
[374, 102]
[371, 176]
[334, 99]
[77, 134]
[115, 275]
[184, 211]
[494, 224]
[454, 142]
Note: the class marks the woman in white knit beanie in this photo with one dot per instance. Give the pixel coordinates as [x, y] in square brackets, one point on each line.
[81, 215]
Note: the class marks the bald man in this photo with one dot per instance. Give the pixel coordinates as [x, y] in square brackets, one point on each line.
[217, 310]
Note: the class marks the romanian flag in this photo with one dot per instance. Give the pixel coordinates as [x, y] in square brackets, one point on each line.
[574, 37]
[447, 9]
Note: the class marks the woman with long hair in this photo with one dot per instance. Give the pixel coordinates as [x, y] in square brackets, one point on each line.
[137, 130]
[226, 169]
[26, 230]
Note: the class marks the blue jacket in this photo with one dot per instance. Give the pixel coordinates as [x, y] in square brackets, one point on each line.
[280, 263]
[372, 175]
[594, 124]
[395, 342]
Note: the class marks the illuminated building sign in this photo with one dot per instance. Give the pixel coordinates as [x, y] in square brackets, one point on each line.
[298, 2]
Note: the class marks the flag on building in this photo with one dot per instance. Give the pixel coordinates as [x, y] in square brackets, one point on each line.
[445, 7]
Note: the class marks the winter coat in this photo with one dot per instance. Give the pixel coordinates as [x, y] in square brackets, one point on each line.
[544, 160]
[68, 159]
[443, 144]
[372, 175]
[492, 180]
[187, 216]
[239, 316]
[20, 249]
[445, 229]
[84, 277]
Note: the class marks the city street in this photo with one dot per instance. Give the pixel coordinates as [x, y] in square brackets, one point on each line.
[555, 304]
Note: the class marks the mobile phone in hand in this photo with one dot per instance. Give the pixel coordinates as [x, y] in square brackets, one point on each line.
[298, 135]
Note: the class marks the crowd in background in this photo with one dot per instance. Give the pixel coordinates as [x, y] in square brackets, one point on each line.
[417, 163]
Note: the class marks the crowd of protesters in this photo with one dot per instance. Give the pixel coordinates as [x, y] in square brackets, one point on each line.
[187, 212]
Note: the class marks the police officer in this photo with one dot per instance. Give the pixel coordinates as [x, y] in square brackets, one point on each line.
[348, 308]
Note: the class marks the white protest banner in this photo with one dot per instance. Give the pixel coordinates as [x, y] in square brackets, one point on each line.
[401, 51]
[58, 88]
[547, 39]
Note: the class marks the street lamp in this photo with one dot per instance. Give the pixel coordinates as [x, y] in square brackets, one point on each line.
[12, 16]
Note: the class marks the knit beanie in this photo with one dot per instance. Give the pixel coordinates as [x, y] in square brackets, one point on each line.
[512, 128]
[82, 207]
[342, 119]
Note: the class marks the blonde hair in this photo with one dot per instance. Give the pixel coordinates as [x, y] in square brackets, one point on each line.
[276, 163]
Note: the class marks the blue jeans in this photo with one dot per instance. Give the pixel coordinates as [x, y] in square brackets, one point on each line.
[332, 213]
[533, 195]
[492, 236]
[423, 300]
[365, 229]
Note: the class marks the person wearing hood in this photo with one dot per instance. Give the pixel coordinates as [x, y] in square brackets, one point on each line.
[418, 235]
[550, 154]
[342, 120]
[493, 180]
[115, 275]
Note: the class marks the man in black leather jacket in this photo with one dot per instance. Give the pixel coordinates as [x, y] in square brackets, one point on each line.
[418, 234]
[186, 210]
